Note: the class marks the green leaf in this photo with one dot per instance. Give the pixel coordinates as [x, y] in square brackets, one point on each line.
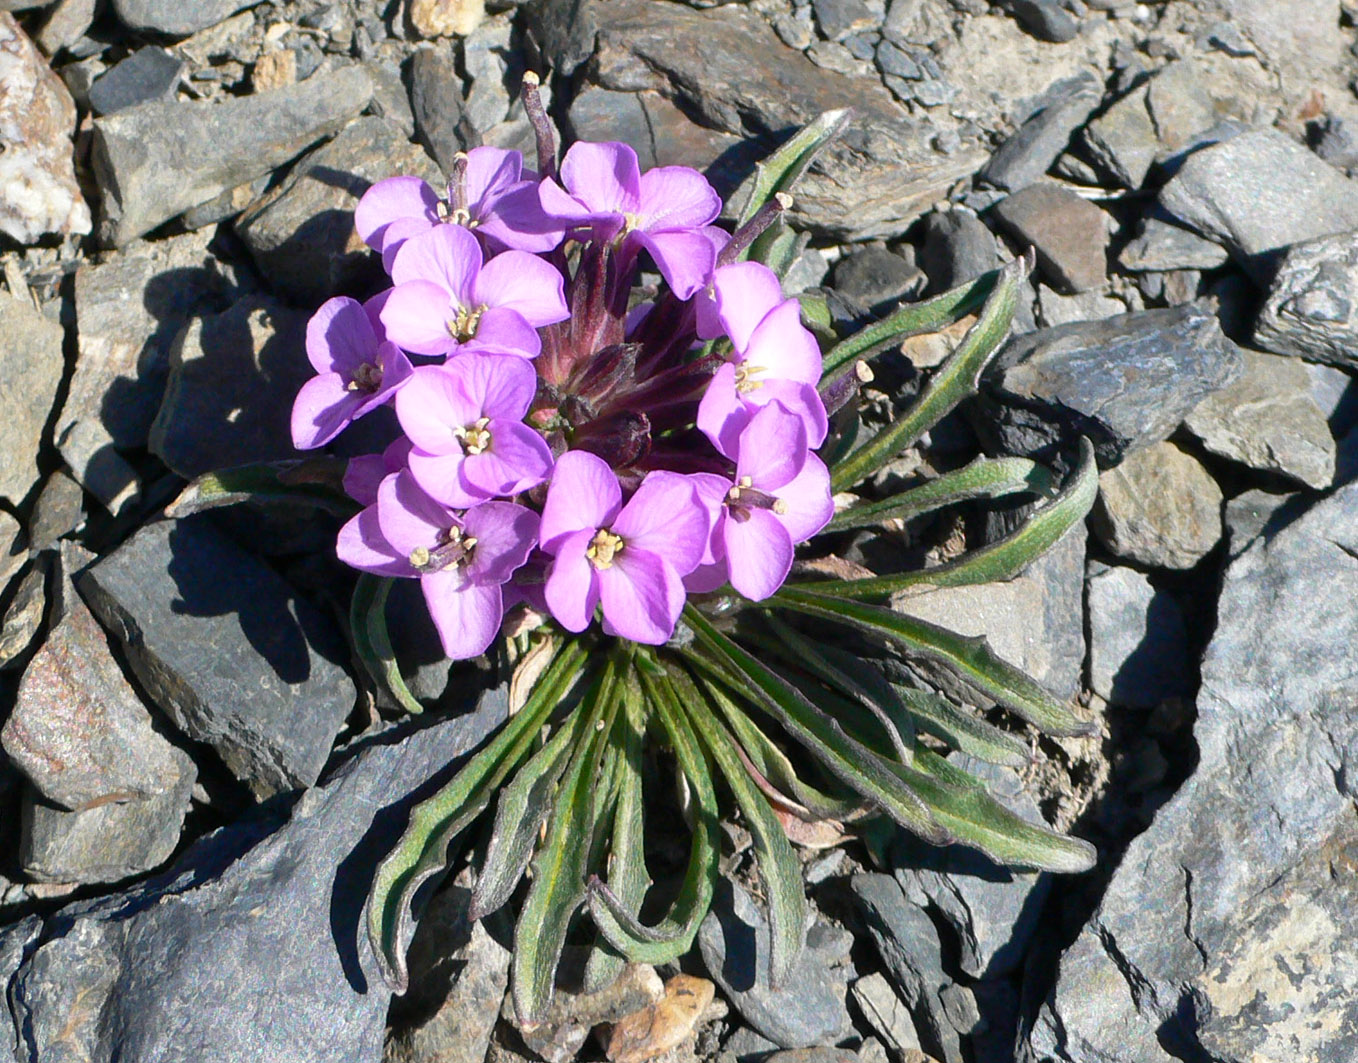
[422, 851]
[955, 380]
[962, 730]
[1000, 560]
[778, 864]
[912, 319]
[970, 659]
[314, 481]
[781, 170]
[561, 863]
[372, 644]
[983, 478]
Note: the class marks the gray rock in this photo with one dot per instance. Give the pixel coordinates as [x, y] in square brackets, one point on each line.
[1069, 233]
[1094, 305]
[1159, 507]
[1126, 382]
[887, 1014]
[391, 99]
[1122, 140]
[1137, 640]
[13, 549]
[157, 160]
[1161, 246]
[128, 310]
[1225, 932]
[563, 30]
[896, 61]
[485, 59]
[878, 278]
[957, 248]
[1030, 151]
[728, 69]
[226, 204]
[106, 842]
[1336, 141]
[1259, 192]
[24, 612]
[1044, 19]
[302, 235]
[149, 74]
[810, 1009]
[28, 389]
[1311, 311]
[172, 965]
[1032, 620]
[1268, 420]
[1335, 395]
[66, 23]
[436, 101]
[78, 731]
[58, 510]
[233, 377]
[175, 18]
[227, 650]
[839, 18]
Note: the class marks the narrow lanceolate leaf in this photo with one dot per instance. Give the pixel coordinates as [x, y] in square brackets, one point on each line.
[310, 481]
[674, 934]
[955, 380]
[983, 478]
[778, 864]
[372, 644]
[970, 659]
[561, 863]
[849, 760]
[422, 851]
[1000, 560]
[961, 730]
[781, 170]
[912, 319]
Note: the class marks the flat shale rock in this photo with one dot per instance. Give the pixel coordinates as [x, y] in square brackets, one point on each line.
[175, 18]
[233, 377]
[1137, 640]
[37, 121]
[147, 75]
[1126, 381]
[157, 160]
[436, 105]
[729, 69]
[226, 649]
[252, 948]
[302, 235]
[957, 247]
[1029, 153]
[1069, 234]
[1161, 246]
[24, 612]
[1312, 311]
[34, 365]
[1227, 930]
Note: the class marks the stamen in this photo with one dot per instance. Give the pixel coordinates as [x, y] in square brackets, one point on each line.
[367, 377]
[745, 377]
[452, 550]
[603, 548]
[462, 325]
[475, 437]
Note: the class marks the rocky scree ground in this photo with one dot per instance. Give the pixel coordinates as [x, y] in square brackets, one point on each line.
[190, 773]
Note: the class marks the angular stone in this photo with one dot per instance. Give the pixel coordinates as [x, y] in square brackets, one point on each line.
[157, 160]
[1094, 305]
[149, 74]
[1126, 381]
[1259, 192]
[28, 387]
[24, 612]
[1161, 246]
[1159, 507]
[1045, 19]
[957, 248]
[1225, 932]
[878, 278]
[1069, 233]
[1030, 151]
[302, 235]
[1311, 311]
[446, 18]
[486, 59]
[37, 121]
[175, 18]
[128, 310]
[887, 1014]
[1122, 140]
[729, 69]
[436, 101]
[171, 965]
[1137, 640]
[13, 549]
[663, 1026]
[66, 23]
[838, 18]
[1268, 420]
[233, 377]
[227, 650]
[78, 731]
[58, 511]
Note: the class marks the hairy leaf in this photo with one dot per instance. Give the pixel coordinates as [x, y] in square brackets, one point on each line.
[781, 170]
[312, 481]
[372, 644]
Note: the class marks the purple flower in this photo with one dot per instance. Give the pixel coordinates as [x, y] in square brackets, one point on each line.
[357, 371]
[465, 419]
[664, 210]
[501, 206]
[364, 474]
[460, 561]
[632, 558]
[447, 298]
[779, 496]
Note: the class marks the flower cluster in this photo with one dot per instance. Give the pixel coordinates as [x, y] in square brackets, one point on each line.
[569, 440]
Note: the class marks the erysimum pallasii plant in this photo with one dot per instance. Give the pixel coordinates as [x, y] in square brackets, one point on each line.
[631, 471]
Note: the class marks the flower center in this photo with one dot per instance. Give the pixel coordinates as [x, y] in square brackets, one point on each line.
[367, 377]
[462, 325]
[745, 377]
[452, 548]
[603, 547]
[475, 436]
[743, 496]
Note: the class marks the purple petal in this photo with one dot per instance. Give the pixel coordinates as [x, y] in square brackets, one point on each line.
[800, 399]
[362, 476]
[362, 545]
[707, 577]
[498, 385]
[323, 407]
[518, 458]
[783, 347]
[505, 535]
[721, 414]
[516, 220]
[467, 615]
[567, 210]
[490, 173]
[604, 177]
[807, 501]
[395, 368]
[441, 477]
[710, 490]
[685, 258]
[675, 197]
[504, 331]
[339, 337]
[415, 317]
[642, 597]
[391, 200]
[745, 292]
[572, 589]
[516, 280]
[434, 405]
[583, 496]
[373, 308]
[408, 517]
[666, 518]
[397, 233]
[758, 553]
[448, 255]
[772, 448]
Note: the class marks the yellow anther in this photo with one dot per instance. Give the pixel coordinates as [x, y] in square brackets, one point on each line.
[603, 548]
[746, 375]
[419, 557]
